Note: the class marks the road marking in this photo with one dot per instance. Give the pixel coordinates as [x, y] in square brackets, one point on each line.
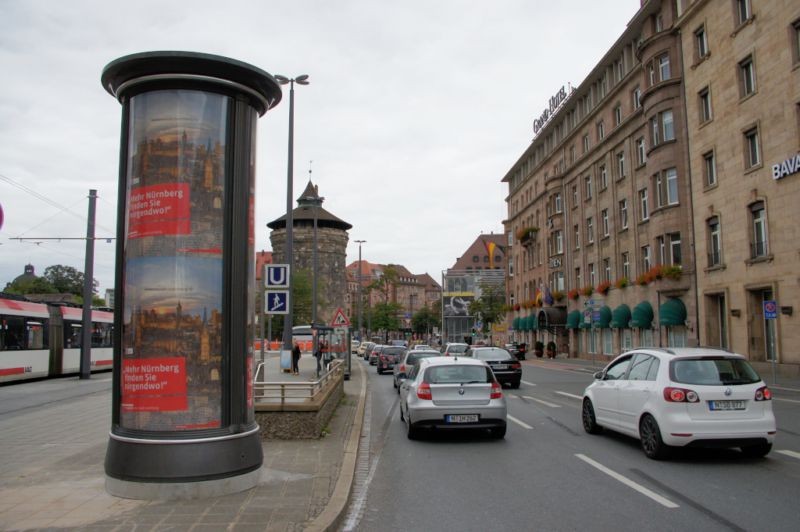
[545, 403]
[578, 397]
[628, 482]
[528, 383]
[518, 422]
[785, 400]
[793, 454]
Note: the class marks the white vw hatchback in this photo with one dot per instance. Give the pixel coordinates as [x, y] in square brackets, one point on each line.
[700, 397]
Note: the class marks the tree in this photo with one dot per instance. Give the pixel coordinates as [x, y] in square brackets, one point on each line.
[490, 305]
[424, 320]
[386, 282]
[36, 285]
[384, 317]
[67, 280]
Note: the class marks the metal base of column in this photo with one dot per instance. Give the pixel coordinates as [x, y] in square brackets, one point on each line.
[163, 470]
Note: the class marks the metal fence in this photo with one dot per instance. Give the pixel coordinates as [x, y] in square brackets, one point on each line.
[265, 392]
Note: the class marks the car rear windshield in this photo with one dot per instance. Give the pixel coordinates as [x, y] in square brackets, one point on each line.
[413, 357]
[713, 371]
[393, 350]
[458, 374]
[456, 348]
[491, 354]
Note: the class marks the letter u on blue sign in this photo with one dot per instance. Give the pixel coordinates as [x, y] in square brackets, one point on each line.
[277, 275]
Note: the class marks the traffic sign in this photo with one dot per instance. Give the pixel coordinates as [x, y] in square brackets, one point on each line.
[277, 302]
[770, 310]
[276, 276]
[339, 319]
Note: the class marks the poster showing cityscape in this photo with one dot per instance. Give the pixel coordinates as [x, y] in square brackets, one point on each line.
[172, 324]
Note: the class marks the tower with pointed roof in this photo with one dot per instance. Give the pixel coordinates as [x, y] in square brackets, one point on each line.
[332, 238]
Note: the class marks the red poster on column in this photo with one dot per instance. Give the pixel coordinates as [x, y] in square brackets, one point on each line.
[159, 210]
[154, 385]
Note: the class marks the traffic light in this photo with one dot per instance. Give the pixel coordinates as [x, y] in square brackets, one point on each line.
[473, 331]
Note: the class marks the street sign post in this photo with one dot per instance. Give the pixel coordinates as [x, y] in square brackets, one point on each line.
[770, 310]
[277, 301]
[276, 276]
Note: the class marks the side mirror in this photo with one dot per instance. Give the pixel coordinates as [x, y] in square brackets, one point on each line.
[600, 375]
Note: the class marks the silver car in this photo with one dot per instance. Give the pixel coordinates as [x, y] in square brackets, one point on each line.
[411, 357]
[452, 393]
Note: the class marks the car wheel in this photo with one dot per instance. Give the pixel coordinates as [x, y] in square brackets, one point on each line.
[401, 413]
[589, 422]
[515, 385]
[379, 370]
[757, 451]
[411, 432]
[650, 435]
[394, 383]
[498, 432]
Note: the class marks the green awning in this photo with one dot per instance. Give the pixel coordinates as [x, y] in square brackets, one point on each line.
[574, 319]
[642, 316]
[620, 317]
[604, 319]
[532, 322]
[672, 312]
[515, 324]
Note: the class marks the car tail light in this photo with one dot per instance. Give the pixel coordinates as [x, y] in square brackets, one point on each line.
[402, 368]
[680, 395]
[384, 358]
[763, 394]
[497, 391]
[516, 365]
[424, 391]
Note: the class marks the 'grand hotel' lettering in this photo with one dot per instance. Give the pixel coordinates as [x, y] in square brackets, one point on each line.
[555, 102]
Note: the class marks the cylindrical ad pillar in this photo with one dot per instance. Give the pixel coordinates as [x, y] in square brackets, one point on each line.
[185, 281]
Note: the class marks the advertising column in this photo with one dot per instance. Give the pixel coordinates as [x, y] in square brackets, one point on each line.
[183, 354]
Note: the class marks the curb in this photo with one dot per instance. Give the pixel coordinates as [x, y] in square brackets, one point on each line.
[334, 511]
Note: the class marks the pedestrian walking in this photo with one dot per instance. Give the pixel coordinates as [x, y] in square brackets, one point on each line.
[296, 359]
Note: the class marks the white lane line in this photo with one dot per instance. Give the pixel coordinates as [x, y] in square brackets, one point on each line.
[518, 422]
[784, 400]
[578, 397]
[545, 403]
[793, 454]
[628, 482]
[528, 383]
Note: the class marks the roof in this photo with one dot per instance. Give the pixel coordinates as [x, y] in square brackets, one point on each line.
[687, 352]
[305, 212]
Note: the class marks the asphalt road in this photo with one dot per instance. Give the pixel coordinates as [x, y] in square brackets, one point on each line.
[548, 474]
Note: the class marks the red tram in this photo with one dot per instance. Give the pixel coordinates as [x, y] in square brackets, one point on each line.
[44, 340]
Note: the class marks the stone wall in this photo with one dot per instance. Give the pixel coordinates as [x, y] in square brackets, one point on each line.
[299, 420]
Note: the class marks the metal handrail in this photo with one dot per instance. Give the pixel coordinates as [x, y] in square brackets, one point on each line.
[265, 392]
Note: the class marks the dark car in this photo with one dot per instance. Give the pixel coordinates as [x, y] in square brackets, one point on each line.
[518, 350]
[375, 353]
[506, 368]
[411, 357]
[388, 357]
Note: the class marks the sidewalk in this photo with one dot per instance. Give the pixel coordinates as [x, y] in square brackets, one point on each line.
[53, 437]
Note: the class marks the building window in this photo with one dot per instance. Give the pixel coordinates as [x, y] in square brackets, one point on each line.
[655, 131]
[795, 45]
[559, 240]
[557, 201]
[752, 153]
[669, 129]
[644, 211]
[571, 154]
[620, 70]
[585, 143]
[578, 278]
[475, 258]
[589, 230]
[603, 177]
[626, 264]
[704, 104]
[661, 248]
[647, 259]
[558, 280]
[577, 235]
[667, 187]
[758, 217]
[623, 213]
[607, 269]
[486, 258]
[658, 23]
[701, 42]
[601, 131]
[621, 165]
[747, 77]
[592, 274]
[709, 169]
[663, 67]
[743, 11]
[675, 249]
[651, 73]
[587, 181]
[604, 218]
[714, 242]
[574, 196]
[617, 115]
[637, 97]
[641, 151]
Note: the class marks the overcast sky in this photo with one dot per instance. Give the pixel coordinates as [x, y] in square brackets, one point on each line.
[415, 111]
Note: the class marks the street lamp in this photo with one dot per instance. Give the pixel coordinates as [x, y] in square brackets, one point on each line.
[287, 318]
[360, 297]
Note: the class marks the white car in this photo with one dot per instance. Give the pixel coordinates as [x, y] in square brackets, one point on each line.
[424, 347]
[452, 393]
[696, 397]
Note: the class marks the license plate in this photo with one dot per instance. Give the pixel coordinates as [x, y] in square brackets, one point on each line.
[726, 405]
[461, 418]
[500, 366]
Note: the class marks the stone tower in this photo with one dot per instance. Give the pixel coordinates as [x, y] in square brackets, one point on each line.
[332, 241]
